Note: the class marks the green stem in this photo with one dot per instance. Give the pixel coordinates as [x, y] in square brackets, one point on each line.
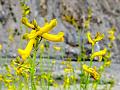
[32, 71]
[91, 60]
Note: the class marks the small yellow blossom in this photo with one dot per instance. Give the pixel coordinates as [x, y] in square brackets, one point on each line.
[66, 82]
[19, 70]
[92, 72]
[54, 38]
[99, 53]
[100, 58]
[90, 38]
[37, 32]
[42, 46]
[107, 63]
[68, 70]
[89, 12]
[25, 9]
[45, 29]
[34, 22]
[63, 62]
[25, 53]
[28, 36]
[73, 77]
[97, 38]
[111, 33]
[11, 37]
[49, 26]
[87, 24]
[57, 48]
[23, 69]
[25, 21]
[7, 81]
[53, 61]
[25, 36]
[51, 37]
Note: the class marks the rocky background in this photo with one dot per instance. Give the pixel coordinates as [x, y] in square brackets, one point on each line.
[105, 14]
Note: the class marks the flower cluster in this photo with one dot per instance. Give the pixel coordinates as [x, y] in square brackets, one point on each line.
[38, 32]
[92, 72]
[111, 33]
[100, 54]
[97, 38]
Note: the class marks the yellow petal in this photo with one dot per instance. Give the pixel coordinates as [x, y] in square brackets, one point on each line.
[25, 53]
[42, 47]
[30, 45]
[44, 29]
[111, 33]
[89, 38]
[87, 24]
[25, 36]
[92, 71]
[99, 53]
[55, 38]
[100, 58]
[98, 37]
[107, 64]
[25, 21]
[57, 48]
[32, 35]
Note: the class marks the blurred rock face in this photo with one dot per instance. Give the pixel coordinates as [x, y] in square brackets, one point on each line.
[105, 14]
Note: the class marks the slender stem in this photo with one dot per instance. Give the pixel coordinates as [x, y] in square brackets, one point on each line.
[32, 71]
[91, 60]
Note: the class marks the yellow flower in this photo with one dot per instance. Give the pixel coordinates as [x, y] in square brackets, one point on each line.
[90, 39]
[19, 70]
[25, 53]
[68, 70]
[107, 63]
[25, 21]
[42, 46]
[63, 62]
[11, 37]
[54, 38]
[111, 33]
[99, 53]
[100, 58]
[28, 36]
[23, 68]
[25, 36]
[25, 8]
[57, 48]
[26, 11]
[45, 29]
[92, 72]
[53, 61]
[97, 38]
[66, 82]
[89, 13]
[7, 81]
[86, 24]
